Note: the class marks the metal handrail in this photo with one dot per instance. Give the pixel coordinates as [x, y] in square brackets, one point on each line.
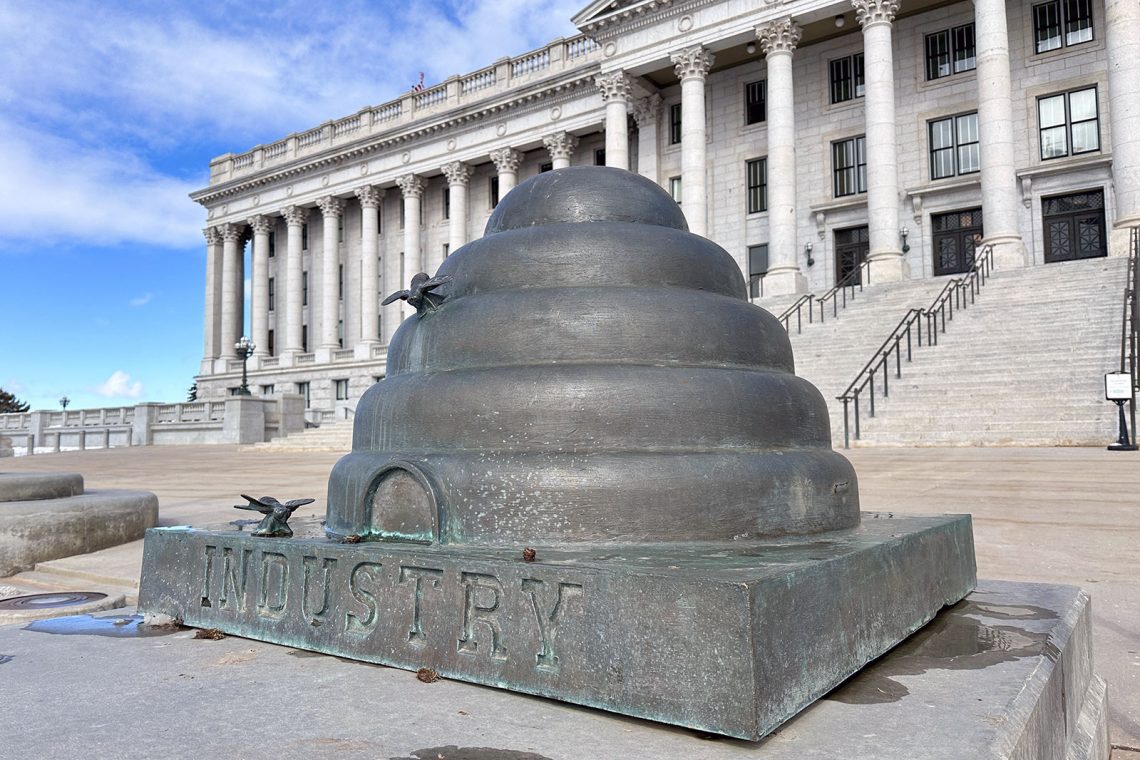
[1130, 321]
[797, 309]
[854, 279]
[958, 293]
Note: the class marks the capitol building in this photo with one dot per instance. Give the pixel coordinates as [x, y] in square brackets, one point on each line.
[809, 138]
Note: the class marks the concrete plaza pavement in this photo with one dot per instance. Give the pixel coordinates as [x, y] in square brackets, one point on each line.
[1059, 515]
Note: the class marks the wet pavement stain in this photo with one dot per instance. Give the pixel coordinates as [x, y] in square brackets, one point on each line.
[128, 627]
[453, 752]
[952, 641]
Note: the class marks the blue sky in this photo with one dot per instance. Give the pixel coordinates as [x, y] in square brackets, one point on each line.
[109, 115]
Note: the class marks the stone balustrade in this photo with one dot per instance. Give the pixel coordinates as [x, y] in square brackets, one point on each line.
[238, 419]
[485, 83]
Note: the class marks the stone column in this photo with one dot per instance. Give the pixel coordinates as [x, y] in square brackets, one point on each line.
[887, 262]
[259, 285]
[995, 135]
[778, 39]
[213, 312]
[561, 146]
[1122, 20]
[233, 288]
[692, 66]
[295, 218]
[412, 186]
[331, 209]
[646, 112]
[458, 176]
[615, 88]
[370, 197]
[507, 162]
[391, 315]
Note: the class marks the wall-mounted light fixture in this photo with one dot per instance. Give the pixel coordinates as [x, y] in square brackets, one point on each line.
[807, 251]
[903, 232]
[750, 48]
[840, 21]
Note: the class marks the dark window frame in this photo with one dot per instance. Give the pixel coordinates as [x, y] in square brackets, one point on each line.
[955, 148]
[1058, 24]
[675, 124]
[855, 173]
[755, 270]
[950, 51]
[756, 182]
[846, 77]
[1068, 124]
[756, 102]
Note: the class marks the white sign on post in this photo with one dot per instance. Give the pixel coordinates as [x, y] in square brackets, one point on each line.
[1117, 386]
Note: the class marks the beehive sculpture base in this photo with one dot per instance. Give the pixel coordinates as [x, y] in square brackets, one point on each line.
[731, 638]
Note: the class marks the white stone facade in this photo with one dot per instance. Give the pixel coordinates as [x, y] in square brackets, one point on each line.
[341, 215]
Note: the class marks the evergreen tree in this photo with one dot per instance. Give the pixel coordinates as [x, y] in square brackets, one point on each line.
[9, 403]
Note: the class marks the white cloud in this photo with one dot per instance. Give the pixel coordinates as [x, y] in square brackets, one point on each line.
[119, 385]
[142, 300]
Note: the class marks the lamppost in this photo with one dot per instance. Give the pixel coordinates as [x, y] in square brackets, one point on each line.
[245, 350]
[63, 402]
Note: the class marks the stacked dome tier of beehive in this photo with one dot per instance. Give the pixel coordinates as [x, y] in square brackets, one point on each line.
[594, 373]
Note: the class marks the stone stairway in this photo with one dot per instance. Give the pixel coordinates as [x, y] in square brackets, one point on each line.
[830, 353]
[1023, 366]
[331, 436]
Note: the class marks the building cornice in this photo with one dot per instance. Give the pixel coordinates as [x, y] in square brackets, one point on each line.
[546, 93]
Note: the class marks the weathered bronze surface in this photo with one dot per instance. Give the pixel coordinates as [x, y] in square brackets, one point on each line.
[275, 524]
[595, 373]
[590, 474]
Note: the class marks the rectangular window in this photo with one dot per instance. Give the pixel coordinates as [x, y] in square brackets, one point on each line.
[675, 124]
[446, 250]
[950, 51]
[757, 268]
[493, 190]
[272, 244]
[600, 157]
[340, 281]
[305, 339]
[756, 102]
[303, 389]
[267, 390]
[341, 388]
[757, 171]
[675, 188]
[304, 288]
[547, 167]
[340, 333]
[849, 166]
[847, 78]
[272, 343]
[340, 228]
[272, 293]
[1061, 23]
[447, 203]
[403, 215]
[954, 146]
[305, 236]
[1068, 123]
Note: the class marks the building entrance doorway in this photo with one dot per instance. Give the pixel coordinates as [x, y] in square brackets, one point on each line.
[956, 237]
[1074, 226]
[851, 248]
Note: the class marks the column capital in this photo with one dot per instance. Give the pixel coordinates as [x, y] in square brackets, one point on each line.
[692, 63]
[295, 216]
[457, 173]
[645, 110]
[506, 159]
[260, 224]
[779, 36]
[561, 145]
[411, 185]
[369, 196]
[614, 85]
[331, 207]
[874, 11]
[213, 236]
[232, 233]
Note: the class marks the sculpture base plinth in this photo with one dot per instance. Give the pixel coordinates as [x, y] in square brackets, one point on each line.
[732, 638]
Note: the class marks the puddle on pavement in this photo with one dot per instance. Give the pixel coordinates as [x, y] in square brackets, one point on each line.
[470, 753]
[952, 641]
[127, 627]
